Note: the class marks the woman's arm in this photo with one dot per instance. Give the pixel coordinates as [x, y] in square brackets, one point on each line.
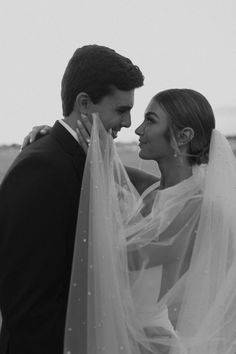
[166, 249]
[140, 179]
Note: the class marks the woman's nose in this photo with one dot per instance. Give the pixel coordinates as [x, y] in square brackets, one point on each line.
[139, 130]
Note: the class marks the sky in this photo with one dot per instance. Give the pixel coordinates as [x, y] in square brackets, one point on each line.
[176, 43]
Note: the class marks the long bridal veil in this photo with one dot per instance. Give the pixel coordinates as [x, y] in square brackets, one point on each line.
[192, 225]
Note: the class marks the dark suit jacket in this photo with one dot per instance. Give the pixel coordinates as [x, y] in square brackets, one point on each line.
[38, 212]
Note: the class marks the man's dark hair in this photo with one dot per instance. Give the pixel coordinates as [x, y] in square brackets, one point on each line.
[96, 70]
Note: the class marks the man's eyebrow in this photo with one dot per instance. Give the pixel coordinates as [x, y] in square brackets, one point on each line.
[124, 108]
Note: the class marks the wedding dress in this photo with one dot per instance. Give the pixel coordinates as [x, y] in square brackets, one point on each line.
[156, 282]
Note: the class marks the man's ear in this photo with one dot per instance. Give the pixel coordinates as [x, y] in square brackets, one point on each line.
[82, 103]
[185, 136]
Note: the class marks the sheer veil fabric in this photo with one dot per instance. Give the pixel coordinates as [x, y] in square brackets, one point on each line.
[154, 273]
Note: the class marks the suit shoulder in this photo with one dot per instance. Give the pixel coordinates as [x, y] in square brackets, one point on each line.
[29, 159]
[33, 164]
[44, 152]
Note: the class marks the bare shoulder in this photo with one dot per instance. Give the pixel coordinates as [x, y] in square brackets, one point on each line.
[141, 179]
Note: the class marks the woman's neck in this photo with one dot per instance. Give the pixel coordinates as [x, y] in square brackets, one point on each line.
[173, 171]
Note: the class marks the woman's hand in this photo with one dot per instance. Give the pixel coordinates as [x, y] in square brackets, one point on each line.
[161, 332]
[84, 131]
[36, 133]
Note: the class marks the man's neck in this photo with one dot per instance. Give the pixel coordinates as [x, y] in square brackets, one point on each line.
[71, 120]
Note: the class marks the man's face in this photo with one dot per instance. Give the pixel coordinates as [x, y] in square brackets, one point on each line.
[114, 110]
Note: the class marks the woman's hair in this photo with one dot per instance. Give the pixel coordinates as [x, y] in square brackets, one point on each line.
[189, 108]
[96, 70]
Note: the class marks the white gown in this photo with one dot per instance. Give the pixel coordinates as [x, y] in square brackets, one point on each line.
[145, 292]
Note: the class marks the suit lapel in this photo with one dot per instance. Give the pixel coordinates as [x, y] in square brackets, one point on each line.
[70, 146]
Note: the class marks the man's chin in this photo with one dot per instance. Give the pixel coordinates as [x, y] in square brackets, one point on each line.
[114, 134]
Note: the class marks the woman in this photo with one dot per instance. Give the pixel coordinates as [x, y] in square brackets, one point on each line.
[162, 266]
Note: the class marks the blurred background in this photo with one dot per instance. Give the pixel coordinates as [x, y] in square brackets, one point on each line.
[176, 43]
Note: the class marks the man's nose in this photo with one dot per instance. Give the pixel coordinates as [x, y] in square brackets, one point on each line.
[126, 122]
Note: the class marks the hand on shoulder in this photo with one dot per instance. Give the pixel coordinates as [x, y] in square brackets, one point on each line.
[36, 133]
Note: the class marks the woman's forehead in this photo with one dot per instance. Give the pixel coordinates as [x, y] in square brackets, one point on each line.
[156, 108]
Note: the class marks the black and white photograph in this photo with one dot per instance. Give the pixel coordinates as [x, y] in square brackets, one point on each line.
[118, 177]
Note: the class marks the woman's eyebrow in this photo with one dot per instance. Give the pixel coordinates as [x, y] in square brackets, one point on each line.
[151, 114]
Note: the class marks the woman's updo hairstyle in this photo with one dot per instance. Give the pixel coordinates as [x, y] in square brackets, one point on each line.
[188, 108]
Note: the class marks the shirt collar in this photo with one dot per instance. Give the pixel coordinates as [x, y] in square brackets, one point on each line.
[69, 129]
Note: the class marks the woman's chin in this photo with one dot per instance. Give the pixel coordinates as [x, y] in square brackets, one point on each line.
[144, 156]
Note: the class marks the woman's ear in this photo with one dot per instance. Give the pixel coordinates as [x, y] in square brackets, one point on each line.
[185, 136]
[82, 103]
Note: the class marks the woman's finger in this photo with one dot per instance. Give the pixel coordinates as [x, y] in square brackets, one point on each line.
[25, 142]
[83, 143]
[33, 134]
[83, 136]
[83, 130]
[36, 131]
[87, 122]
[39, 130]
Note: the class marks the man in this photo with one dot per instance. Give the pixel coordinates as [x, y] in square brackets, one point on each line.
[39, 203]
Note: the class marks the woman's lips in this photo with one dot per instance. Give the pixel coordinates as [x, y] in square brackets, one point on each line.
[141, 143]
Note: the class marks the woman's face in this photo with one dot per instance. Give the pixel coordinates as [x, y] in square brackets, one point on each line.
[152, 132]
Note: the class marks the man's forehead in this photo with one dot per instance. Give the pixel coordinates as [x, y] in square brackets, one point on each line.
[123, 98]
